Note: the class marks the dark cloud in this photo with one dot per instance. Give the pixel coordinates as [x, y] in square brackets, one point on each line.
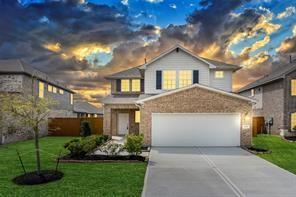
[26, 29]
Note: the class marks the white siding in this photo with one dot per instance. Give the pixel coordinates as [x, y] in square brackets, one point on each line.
[224, 83]
[174, 61]
[258, 97]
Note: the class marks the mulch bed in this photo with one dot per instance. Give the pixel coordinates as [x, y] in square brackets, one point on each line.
[258, 150]
[103, 158]
[32, 178]
[292, 138]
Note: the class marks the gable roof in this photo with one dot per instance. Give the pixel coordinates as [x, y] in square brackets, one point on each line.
[129, 73]
[86, 107]
[16, 66]
[275, 75]
[137, 72]
[196, 85]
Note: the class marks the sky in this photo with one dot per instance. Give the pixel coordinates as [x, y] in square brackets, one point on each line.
[80, 42]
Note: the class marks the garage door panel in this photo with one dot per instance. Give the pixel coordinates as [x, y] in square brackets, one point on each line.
[195, 129]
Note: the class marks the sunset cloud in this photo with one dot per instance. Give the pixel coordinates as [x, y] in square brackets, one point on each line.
[288, 12]
[55, 47]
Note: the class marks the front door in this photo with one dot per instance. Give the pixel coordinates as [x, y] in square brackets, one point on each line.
[122, 123]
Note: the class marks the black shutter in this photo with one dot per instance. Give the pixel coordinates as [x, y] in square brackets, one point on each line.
[118, 85]
[195, 76]
[142, 85]
[158, 79]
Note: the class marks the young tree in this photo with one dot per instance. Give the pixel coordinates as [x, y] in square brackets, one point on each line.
[31, 111]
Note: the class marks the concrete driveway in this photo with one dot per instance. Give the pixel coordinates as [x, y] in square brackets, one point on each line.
[210, 172]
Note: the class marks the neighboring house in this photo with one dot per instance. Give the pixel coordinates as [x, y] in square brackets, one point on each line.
[276, 98]
[17, 76]
[178, 99]
[86, 110]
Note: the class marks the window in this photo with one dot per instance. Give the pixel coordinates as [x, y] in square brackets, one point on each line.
[293, 121]
[293, 87]
[169, 79]
[252, 92]
[71, 99]
[219, 74]
[61, 91]
[185, 78]
[54, 90]
[137, 116]
[136, 85]
[125, 85]
[49, 88]
[41, 90]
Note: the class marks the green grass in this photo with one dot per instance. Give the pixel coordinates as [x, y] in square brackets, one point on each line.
[283, 152]
[89, 179]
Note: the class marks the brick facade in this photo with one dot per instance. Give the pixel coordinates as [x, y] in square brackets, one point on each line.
[197, 100]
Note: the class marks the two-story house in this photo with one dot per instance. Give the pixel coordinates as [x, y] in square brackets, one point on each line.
[17, 76]
[178, 99]
[276, 100]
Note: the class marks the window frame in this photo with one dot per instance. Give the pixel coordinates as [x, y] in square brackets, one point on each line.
[41, 86]
[54, 89]
[292, 120]
[126, 85]
[137, 116]
[139, 85]
[173, 82]
[293, 87]
[185, 79]
[217, 76]
[252, 92]
[71, 99]
[61, 91]
[49, 88]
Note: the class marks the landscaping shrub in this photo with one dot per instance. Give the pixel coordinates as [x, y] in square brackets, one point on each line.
[101, 139]
[85, 128]
[133, 144]
[112, 148]
[83, 146]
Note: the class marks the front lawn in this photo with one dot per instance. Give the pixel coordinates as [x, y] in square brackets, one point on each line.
[283, 152]
[89, 179]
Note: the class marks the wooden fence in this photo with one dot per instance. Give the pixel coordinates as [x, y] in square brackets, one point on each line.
[71, 126]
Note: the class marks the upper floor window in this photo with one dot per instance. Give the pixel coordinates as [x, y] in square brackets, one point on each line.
[293, 87]
[41, 90]
[219, 74]
[169, 79]
[71, 99]
[125, 85]
[252, 92]
[185, 78]
[61, 91]
[54, 89]
[49, 88]
[136, 85]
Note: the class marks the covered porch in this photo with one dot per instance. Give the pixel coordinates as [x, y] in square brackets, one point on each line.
[121, 119]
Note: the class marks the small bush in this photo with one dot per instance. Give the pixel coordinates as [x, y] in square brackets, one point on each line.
[85, 128]
[83, 146]
[133, 144]
[101, 139]
[112, 148]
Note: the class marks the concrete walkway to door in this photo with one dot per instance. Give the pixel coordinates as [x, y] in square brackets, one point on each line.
[214, 172]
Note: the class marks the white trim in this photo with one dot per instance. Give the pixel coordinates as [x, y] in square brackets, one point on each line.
[198, 86]
[172, 49]
[199, 113]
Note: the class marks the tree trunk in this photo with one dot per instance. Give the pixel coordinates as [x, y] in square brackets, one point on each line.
[37, 149]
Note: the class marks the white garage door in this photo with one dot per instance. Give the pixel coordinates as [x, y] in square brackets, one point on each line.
[195, 129]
